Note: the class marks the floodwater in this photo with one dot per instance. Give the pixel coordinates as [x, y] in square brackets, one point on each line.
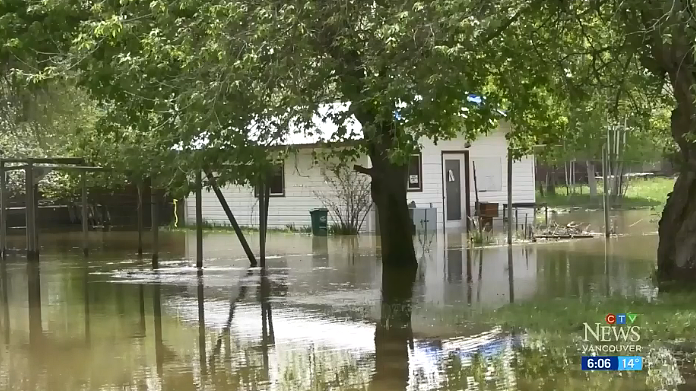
[317, 319]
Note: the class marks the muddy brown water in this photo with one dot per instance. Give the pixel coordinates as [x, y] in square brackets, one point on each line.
[315, 322]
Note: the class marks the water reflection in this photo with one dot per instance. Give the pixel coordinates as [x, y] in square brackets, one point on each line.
[5, 303]
[267, 336]
[323, 316]
[88, 333]
[157, 314]
[200, 295]
[34, 298]
[393, 332]
[511, 275]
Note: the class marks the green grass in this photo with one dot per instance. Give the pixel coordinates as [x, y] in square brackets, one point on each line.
[650, 193]
[481, 238]
[670, 318]
[342, 229]
[218, 227]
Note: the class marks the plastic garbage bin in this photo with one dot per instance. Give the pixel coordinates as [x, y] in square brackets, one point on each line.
[320, 217]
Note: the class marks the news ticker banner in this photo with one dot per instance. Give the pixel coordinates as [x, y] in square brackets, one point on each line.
[612, 363]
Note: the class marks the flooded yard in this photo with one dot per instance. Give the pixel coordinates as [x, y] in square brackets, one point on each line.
[315, 320]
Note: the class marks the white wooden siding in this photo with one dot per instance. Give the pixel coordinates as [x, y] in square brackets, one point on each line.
[482, 150]
[303, 179]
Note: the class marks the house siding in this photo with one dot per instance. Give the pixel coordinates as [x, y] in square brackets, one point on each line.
[482, 149]
[303, 180]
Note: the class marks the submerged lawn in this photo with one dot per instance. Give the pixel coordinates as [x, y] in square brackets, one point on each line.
[670, 317]
[640, 194]
[550, 357]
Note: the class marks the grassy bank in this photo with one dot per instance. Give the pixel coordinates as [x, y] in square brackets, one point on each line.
[333, 229]
[216, 227]
[650, 193]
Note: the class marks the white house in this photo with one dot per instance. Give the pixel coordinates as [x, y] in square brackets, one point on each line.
[441, 176]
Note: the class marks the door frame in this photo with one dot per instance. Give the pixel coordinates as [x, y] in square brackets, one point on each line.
[467, 186]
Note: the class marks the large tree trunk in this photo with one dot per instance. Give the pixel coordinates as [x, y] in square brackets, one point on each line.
[676, 254]
[388, 188]
[393, 332]
[389, 180]
[591, 179]
[389, 195]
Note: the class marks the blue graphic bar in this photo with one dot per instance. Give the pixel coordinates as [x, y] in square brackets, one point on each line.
[612, 363]
[600, 363]
[630, 363]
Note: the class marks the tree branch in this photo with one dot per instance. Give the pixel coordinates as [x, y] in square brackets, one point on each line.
[363, 170]
[501, 29]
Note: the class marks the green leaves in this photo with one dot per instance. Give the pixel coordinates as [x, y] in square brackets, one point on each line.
[245, 75]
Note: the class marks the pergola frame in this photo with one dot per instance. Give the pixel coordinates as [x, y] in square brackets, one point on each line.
[29, 165]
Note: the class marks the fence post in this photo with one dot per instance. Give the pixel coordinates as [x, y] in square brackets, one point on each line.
[85, 217]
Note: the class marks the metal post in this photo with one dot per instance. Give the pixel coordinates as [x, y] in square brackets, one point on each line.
[29, 210]
[526, 225]
[230, 216]
[155, 227]
[85, 216]
[3, 211]
[546, 215]
[262, 224]
[36, 216]
[140, 218]
[509, 196]
[606, 194]
[199, 219]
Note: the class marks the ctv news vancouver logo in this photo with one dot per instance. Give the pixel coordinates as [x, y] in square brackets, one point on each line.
[618, 333]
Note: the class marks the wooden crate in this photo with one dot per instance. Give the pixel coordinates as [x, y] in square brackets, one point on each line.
[488, 209]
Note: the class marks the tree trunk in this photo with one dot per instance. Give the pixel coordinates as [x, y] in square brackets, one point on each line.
[676, 254]
[551, 181]
[388, 188]
[389, 195]
[591, 179]
[393, 332]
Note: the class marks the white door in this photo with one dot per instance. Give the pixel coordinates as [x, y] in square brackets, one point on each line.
[454, 179]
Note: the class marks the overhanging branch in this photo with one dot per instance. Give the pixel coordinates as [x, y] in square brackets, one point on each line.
[363, 170]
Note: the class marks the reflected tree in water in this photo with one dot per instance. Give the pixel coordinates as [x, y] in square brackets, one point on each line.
[157, 314]
[34, 297]
[393, 332]
[5, 302]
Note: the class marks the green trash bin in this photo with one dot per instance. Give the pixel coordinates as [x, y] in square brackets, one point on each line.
[320, 220]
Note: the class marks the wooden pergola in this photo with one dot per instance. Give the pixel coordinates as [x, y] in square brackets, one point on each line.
[34, 169]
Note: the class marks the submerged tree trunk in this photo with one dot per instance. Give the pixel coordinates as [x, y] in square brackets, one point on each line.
[676, 254]
[389, 195]
[591, 179]
[388, 188]
[388, 180]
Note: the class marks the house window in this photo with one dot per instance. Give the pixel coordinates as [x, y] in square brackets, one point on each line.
[488, 173]
[276, 182]
[415, 173]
